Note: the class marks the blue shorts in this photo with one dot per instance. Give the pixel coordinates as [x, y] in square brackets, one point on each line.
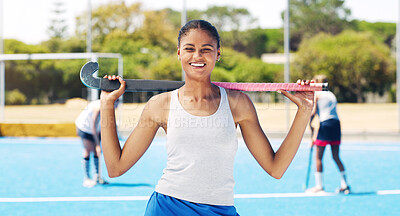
[163, 205]
[85, 135]
[329, 130]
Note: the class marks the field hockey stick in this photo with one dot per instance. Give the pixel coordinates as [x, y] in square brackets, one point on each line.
[308, 168]
[140, 85]
[100, 173]
[101, 180]
[305, 186]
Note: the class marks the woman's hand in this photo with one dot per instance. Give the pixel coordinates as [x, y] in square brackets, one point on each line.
[305, 99]
[109, 98]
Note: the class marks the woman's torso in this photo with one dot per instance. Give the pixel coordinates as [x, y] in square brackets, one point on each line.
[201, 152]
[326, 106]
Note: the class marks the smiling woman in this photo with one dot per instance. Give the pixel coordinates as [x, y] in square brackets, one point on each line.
[200, 120]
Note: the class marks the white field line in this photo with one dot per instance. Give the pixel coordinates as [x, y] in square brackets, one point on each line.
[75, 141]
[386, 192]
[145, 198]
[370, 148]
[75, 199]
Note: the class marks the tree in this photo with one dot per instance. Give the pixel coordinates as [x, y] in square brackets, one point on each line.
[156, 30]
[354, 63]
[274, 43]
[108, 18]
[39, 81]
[310, 17]
[167, 69]
[237, 67]
[255, 42]
[58, 28]
[384, 32]
[226, 18]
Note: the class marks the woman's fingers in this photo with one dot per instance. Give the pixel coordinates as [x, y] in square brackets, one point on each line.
[123, 84]
[301, 99]
[114, 95]
[304, 82]
[111, 77]
[286, 94]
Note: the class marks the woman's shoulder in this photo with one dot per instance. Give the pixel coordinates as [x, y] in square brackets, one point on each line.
[157, 108]
[159, 101]
[240, 104]
[238, 98]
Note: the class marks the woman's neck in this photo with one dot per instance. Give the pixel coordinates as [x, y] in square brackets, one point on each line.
[199, 90]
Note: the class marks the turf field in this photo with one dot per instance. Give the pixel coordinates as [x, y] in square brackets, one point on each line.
[43, 176]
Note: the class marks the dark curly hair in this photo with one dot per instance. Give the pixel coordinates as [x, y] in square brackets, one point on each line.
[199, 24]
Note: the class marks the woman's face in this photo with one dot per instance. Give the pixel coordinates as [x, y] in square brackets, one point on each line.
[198, 53]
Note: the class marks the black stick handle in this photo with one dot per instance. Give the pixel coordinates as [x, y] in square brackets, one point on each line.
[132, 85]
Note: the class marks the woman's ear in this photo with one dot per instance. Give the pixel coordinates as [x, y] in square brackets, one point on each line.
[178, 52]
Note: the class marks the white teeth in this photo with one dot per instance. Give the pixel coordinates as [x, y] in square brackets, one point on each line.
[197, 65]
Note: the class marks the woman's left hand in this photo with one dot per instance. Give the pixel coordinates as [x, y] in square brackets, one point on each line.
[303, 99]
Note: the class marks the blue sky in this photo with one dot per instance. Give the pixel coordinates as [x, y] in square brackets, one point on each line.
[28, 20]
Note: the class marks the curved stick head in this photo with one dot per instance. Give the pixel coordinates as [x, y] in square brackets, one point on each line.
[325, 87]
[87, 77]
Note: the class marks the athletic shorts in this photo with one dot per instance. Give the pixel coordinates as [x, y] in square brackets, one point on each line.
[160, 204]
[85, 135]
[329, 133]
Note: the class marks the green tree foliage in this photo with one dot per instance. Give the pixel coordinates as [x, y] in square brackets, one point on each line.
[384, 32]
[226, 18]
[157, 30]
[15, 97]
[115, 16]
[12, 46]
[148, 39]
[41, 81]
[274, 43]
[255, 42]
[237, 67]
[310, 17]
[353, 62]
[167, 69]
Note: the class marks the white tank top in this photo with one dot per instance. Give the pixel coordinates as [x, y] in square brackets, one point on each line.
[201, 152]
[326, 106]
[85, 118]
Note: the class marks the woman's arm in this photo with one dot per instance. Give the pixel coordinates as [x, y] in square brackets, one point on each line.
[313, 113]
[118, 160]
[95, 115]
[274, 163]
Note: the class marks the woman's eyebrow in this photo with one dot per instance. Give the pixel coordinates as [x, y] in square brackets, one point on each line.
[207, 45]
[188, 44]
[204, 45]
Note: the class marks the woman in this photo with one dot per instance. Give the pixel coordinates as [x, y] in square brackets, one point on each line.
[200, 120]
[88, 128]
[329, 133]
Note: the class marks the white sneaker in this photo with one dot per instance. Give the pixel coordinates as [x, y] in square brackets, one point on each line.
[88, 183]
[99, 180]
[315, 189]
[345, 190]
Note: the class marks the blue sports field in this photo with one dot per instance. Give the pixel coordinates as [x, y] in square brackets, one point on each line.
[43, 176]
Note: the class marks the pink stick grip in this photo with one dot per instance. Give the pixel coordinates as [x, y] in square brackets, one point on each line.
[273, 86]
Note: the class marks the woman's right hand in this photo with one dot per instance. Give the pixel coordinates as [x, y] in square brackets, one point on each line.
[109, 98]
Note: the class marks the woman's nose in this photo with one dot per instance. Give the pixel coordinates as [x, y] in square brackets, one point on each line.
[197, 54]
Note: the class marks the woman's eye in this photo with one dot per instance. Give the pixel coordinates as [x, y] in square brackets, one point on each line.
[189, 49]
[206, 50]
